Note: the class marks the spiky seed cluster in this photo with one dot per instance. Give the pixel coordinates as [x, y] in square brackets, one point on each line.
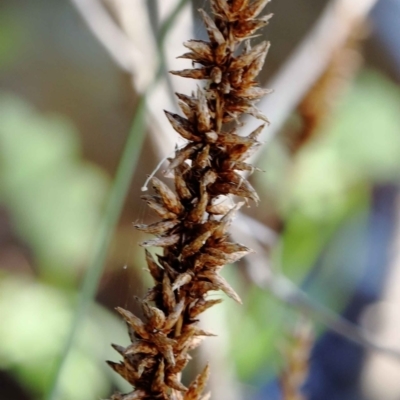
[193, 230]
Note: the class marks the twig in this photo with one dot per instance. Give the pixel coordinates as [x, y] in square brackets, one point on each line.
[309, 61]
[287, 291]
[109, 35]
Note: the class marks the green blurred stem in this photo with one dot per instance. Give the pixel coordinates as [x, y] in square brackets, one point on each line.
[113, 210]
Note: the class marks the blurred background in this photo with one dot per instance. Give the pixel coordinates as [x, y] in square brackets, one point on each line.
[82, 86]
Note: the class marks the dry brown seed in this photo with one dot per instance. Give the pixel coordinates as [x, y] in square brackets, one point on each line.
[223, 225]
[196, 58]
[147, 363]
[201, 48]
[197, 214]
[203, 157]
[222, 284]
[121, 370]
[223, 7]
[252, 93]
[155, 203]
[209, 177]
[171, 272]
[200, 332]
[180, 185]
[155, 271]
[198, 73]
[194, 246]
[185, 335]
[228, 188]
[205, 260]
[173, 317]
[247, 58]
[182, 126]
[221, 258]
[182, 155]
[245, 29]
[180, 363]
[141, 346]
[221, 53]
[233, 257]
[168, 294]
[152, 293]
[238, 5]
[236, 80]
[202, 305]
[239, 166]
[164, 241]
[216, 75]
[234, 178]
[203, 112]
[254, 135]
[201, 288]
[255, 112]
[195, 342]
[165, 346]
[254, 9]
[119, 349]
[173, 381]
[211, 136]
[189, 112]
[214, 33]
[168, 197]
[189, 100]
[229, 138]
[198, 385]
[181, 280]
[157, 228]
[155, 316]
[158, 381]
[218, 209]
[136, 395]
[255, 67]
[136, 323]
[229, 247]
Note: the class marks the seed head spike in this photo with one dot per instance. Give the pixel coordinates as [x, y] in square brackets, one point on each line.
[193, 232]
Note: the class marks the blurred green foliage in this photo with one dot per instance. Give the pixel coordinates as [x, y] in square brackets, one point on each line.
[10, 39]
[323, 196]
[54, 197]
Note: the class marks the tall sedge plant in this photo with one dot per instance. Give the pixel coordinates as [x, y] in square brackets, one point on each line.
[194, 227]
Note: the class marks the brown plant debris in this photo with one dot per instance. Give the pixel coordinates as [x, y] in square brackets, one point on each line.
[296, 356]
[318, 106]
[194, 228]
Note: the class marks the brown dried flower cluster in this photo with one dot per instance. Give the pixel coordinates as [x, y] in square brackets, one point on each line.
[296, 356]
[193, 230]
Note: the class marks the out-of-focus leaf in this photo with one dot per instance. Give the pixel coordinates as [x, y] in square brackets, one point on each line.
[323, 197]
[35, 318]
[54, 197]
[10, 39]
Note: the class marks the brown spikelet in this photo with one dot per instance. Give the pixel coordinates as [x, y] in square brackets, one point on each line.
[296, 356]
[193, 232]
[317, 107]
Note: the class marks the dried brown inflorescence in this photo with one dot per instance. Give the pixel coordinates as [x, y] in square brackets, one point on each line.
[296, 356]
[193, 230]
